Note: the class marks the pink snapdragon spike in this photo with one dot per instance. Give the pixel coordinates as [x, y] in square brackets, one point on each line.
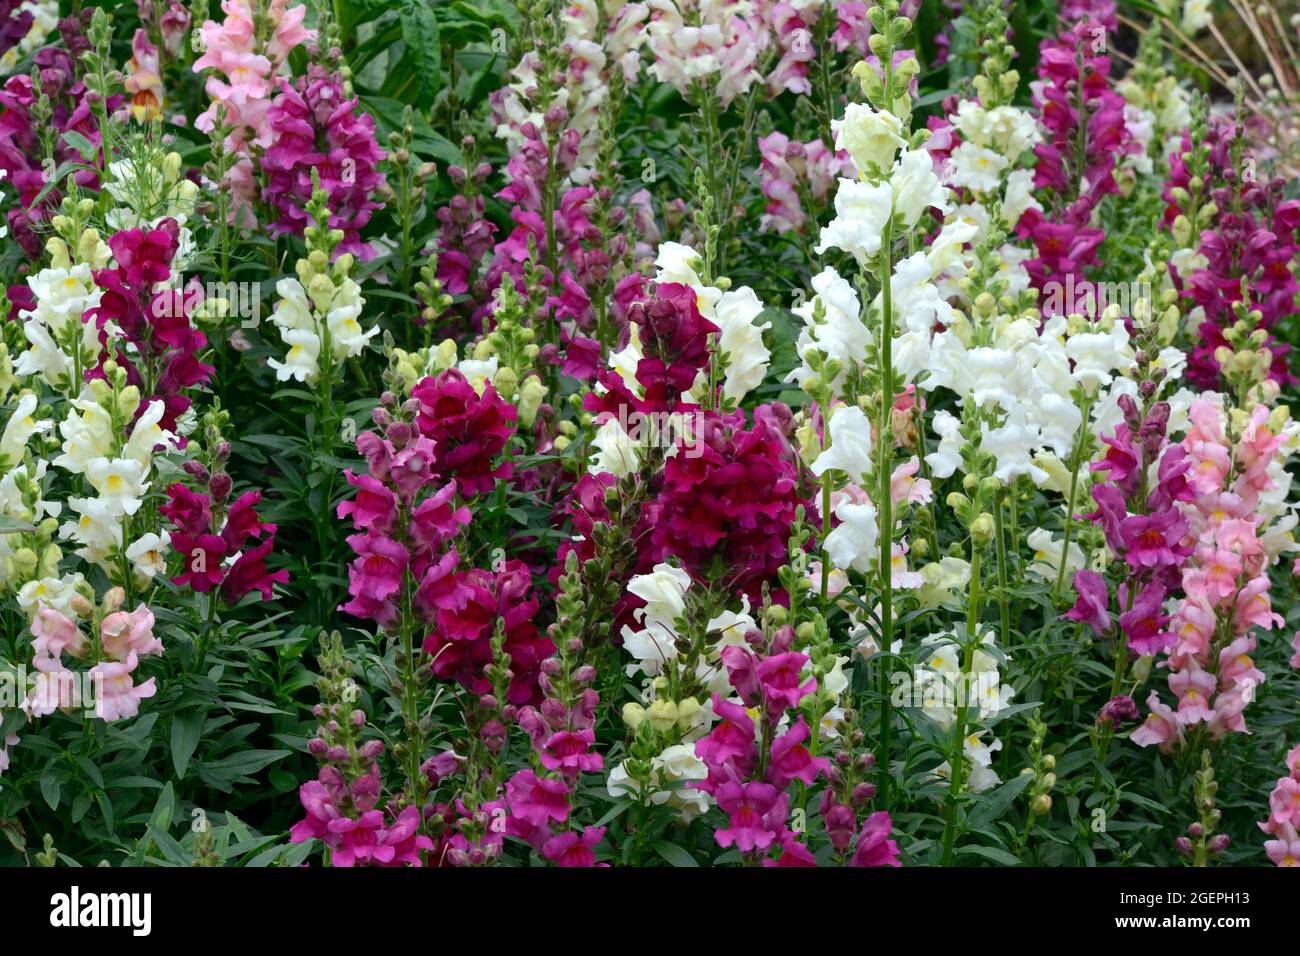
[1283, 822]
[1225, 584]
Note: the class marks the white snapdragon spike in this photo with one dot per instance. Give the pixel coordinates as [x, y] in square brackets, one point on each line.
[1008, 130]
[1048, 552]
[675, 765]
[1011, 445]
[853, 542]
[850, 445]
[1098, 355]
[22, 425]
[302, 316]
[976, 168]
[940, 687]
[980, 776]
[871, 137]
[840, 335]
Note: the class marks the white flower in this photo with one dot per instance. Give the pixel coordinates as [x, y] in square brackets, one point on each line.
[147, 436]
[976, 168]
[915, 299]
[1019, 196]
[664, 593]
[1011, 444]
[730, 627]
[616, 452]
[871, 137]
[148, 554]
[87, 434]
[119, 482]
[1097, 354]
[946, 250]
[98, 528]
[853, 542]
[915, 187]
[346, 335]
[20, 428]
[742, 341]
[301, 362]
[946, 459]
[1047, 556]
[850, 449]
[862, 210]
[840, 335]
[993, 377]
[942, 582]
[479, 372]
[677, 263]
[836, 681]
[44, 358]
[63, 296]
[55, 593]
[1058, 420]
[1196, 16]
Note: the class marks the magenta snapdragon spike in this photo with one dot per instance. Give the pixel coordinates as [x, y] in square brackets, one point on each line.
[562, 733]
[1143, 528]
[21, 150]
[158, 324]
[1085, 135]
[1248, 253]
[315, 128]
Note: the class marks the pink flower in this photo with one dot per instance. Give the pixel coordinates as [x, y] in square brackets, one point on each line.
[1194, 688]
[374, 509]
[1093, 604]
[757, 813]
[377, 569]
[903, 486]
[537, 800]
[54, 633]
[117, 696]
[779, 675]
[1161, 727]
[791, 760]
[437, 518]
[874, 847]
[123, 634]
[569, 752]
[573, 849]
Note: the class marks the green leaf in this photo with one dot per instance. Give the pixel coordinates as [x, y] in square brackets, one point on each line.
[51, 785]
[673, 854]
[186, 729]
[420, 33]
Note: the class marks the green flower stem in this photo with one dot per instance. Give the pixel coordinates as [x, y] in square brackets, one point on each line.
[885, 504]
[1076, 463]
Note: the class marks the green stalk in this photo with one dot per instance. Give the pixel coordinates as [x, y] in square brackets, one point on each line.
[885, 503]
